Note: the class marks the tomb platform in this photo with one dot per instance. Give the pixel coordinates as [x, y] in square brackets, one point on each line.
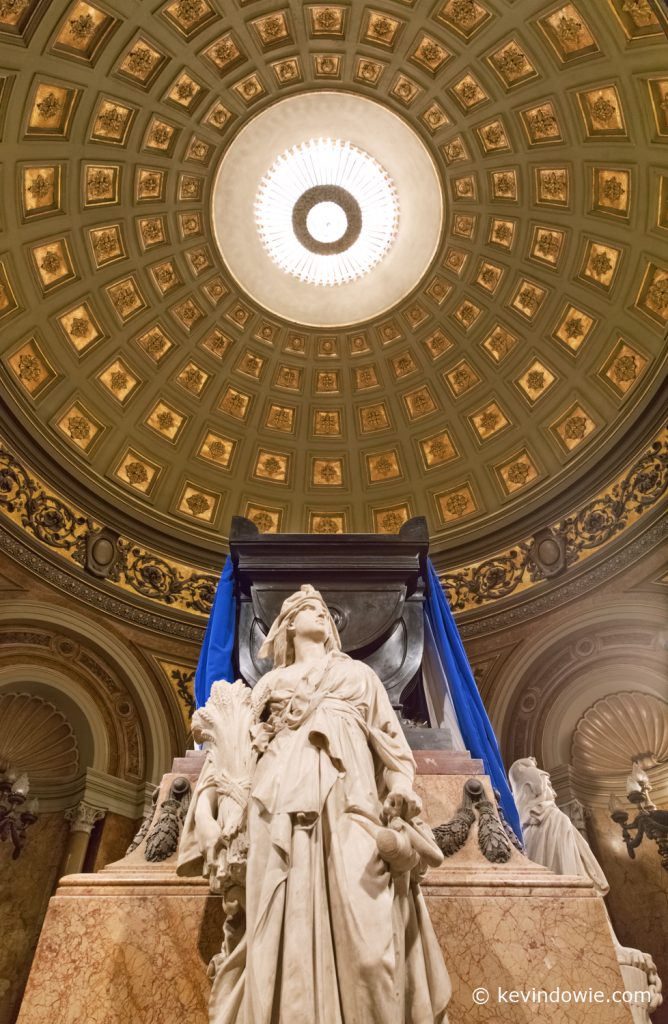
[133, 941]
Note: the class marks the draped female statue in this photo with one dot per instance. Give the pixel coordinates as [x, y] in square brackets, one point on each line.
[305, 818]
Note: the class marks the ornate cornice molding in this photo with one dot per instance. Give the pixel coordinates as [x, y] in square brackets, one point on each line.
[553, 550]
[139, 580]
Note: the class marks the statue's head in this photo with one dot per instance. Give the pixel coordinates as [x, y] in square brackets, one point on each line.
[304, 613]
[528, 781]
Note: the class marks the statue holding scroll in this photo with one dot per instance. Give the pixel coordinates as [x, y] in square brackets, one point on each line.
[305, 818]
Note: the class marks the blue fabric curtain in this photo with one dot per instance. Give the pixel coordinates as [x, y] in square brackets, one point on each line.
[474, 724]
[215, 659]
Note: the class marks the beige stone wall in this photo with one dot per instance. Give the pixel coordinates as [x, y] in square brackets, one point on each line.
[26, 885]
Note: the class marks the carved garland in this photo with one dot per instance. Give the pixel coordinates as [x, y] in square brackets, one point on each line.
[572, 539]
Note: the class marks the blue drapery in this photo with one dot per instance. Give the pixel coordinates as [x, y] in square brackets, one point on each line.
[474, 724]
[215, 659]
[215, 662]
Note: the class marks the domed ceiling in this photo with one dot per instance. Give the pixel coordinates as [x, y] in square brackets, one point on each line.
[152, 384]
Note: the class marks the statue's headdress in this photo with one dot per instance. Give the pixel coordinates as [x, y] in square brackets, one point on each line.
[277, 645]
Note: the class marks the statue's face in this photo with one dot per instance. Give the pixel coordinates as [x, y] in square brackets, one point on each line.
[311, 622]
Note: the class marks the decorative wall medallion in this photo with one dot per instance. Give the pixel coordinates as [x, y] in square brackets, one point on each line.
[289, 378]
[419, 402]
[488, 421]
[438, 289]
[160, 136]
[150, 184]
[568, 33]
[517, 472]
[466, 17]
[112, 121]
[466, 314]
[154, 343]
[437, 449]
[192, 378]
[383, 466]
[53, 264]
[198, 503]
[600, 264]
[51, 111]
[185, 93]
[456, 503]
[165, 276]
[658, 90]
[535, 381]
[327, 423]
[365, 377]
[468, 92]
[137, 472]
[235, 403]
[250, 89]
[218, 117]
[611, 191]
[326, 20]
[437, 343]
[381, 29]
[101, 184]
[327, 382]
[188, 17]
[224, 53]
[434, 117]
[8, 301]
[165, 420]
[326, 522]
[81, 327]
[251, 365]
[547, 245]
[499, 343]
[405, 90]
[152, 232]
[218, 449]
[126, 298]
[216, 343]
[187, 314]
[119, 380]
[266, 518]
[31, 368]
[272, 30]
[573, 328]
[461, 378]
[280, 417]
[403, 364]
[327, 472]
[107, 244]
[464, 188]
[501, 232]
[573, 427]
[287, 71]
[512, 64]
[552, 185]
[79, 426]
[41, 190]
[527, 299]
[373, 417]
[652, 298]
[541, 124]
[141, 62]
[493, 137]
[327, 65]
[390, 519]
[488, 276]
[429, 54]
[83, 32]
[368, 72]
[272, 466]
[623, 367]
[601, 111]
[504, 185]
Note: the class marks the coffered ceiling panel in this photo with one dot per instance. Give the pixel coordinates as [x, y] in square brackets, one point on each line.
[531, 344]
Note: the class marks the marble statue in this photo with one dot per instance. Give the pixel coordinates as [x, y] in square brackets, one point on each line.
[306, 820]
[551, 839]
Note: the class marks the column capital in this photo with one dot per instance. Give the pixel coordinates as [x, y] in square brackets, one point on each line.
[82, 817]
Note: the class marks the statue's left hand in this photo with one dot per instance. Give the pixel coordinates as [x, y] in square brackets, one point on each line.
[401, 803]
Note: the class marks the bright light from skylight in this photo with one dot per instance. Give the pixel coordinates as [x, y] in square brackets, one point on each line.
[326, 212]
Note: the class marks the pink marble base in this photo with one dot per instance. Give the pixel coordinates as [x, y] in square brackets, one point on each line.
[132, 943]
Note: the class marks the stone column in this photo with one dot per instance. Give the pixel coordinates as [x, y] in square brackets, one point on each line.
[82, 817]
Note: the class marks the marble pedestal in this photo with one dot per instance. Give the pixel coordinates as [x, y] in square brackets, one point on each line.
[132, 942]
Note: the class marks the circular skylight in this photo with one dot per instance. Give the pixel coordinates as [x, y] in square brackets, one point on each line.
[326, 212]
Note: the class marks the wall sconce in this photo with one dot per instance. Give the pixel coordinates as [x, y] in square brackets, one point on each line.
[15, 814]
[649, 821]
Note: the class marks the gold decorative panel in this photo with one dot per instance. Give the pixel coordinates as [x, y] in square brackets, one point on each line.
[130, 351]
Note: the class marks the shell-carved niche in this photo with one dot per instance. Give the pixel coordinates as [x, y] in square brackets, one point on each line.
[37, 738]
[616, 729]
